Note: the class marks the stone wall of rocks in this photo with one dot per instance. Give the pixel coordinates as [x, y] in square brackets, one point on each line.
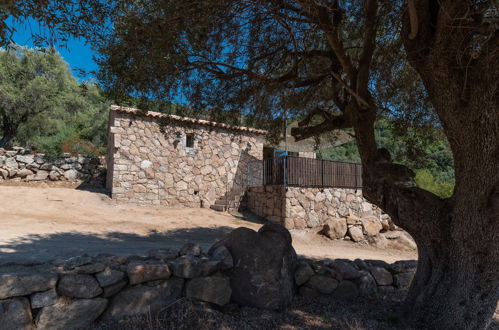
[151, 163]
[19, 164]
[300, 208]
[78, 292]
[339, 213]
[347, 279]
[73, 293]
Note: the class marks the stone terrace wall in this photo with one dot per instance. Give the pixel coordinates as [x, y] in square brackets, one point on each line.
[21, 164]
[81, 291]
[339, 213]
[150, 164]
[300, 208]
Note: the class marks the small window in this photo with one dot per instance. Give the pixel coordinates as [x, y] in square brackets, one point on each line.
[189, 141]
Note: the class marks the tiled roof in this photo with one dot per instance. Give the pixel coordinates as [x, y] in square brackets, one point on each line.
[152, 114]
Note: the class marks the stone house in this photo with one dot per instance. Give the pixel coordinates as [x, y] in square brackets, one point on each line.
[162, 159]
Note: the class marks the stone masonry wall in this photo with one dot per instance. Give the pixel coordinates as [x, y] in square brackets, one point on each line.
[300, 208]
[83, 291]
[19, 164]
[151, 163]
[339, 213]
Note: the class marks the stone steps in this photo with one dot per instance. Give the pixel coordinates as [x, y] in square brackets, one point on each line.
[217, 207]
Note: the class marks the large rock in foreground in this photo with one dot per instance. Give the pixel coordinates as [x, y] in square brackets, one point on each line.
[20, 282]
[144, 299]
[264, 265]
[71, 314]
[15, 314]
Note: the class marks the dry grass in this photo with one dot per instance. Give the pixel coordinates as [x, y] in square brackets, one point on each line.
[305, 313]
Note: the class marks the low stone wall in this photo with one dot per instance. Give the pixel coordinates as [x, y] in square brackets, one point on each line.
[75, 293]
[300, 208]
[339, 213]
[347, 279]
[20, 164]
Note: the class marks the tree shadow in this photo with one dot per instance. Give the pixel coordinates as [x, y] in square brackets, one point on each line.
[36, 248]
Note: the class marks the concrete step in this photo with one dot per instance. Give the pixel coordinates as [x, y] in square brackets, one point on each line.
[217, 207]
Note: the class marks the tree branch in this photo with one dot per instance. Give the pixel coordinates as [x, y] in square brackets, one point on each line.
[413, 18]
[370, 28]
[329, 124]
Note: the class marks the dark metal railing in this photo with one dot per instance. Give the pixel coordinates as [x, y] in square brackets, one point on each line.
[310, 172]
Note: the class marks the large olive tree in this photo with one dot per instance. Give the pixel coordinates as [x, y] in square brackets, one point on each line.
[342, 64]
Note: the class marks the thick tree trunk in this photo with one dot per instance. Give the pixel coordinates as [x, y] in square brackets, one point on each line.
[5, 141]
[9, 131]
[456, 284]
[457, 281]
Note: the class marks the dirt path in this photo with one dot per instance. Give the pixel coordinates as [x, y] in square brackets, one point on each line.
[39, 224]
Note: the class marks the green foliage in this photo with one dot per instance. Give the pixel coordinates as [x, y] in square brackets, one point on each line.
[426, 180]
[423, 149]
[344, 153]
[42, 104]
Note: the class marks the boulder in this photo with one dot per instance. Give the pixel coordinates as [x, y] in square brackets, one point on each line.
[346, 290]
[403, 266]
[40, 159]
[71, 314]
[25, 283]
[41, 176]
[90, 268]
[144, 272]
[187, 267]
[191, 249]
[355, 234]
[347, 269]
[162, 254]
[323, 284]
[4, 174]
[209, 266]
[367, 285]
[144, 299]
[222, 254]
[213, 289]
[77, 261]
[335, 228]
[47, 167]
[305, 291]
[15, 314]
[403, 281]
[43, 299]
[352, 220]
[11, 153]
[11, 163]
[54, 175]
[371, 225]
[303, 273]
[264, 266]
[79, 286]
[71, 175]
[24, 173]
[113, 289]
[109, 277]
[381, 275]
[26, 159]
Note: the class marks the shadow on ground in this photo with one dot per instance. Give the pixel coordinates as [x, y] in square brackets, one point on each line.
[39, 248]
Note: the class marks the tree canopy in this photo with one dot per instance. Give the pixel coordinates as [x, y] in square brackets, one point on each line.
[42, 105]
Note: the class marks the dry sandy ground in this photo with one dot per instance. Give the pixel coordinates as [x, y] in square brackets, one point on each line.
[38, 224]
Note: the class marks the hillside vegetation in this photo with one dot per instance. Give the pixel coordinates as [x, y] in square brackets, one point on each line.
[427, 153]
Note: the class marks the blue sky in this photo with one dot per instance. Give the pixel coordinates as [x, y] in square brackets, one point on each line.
[75, 52]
